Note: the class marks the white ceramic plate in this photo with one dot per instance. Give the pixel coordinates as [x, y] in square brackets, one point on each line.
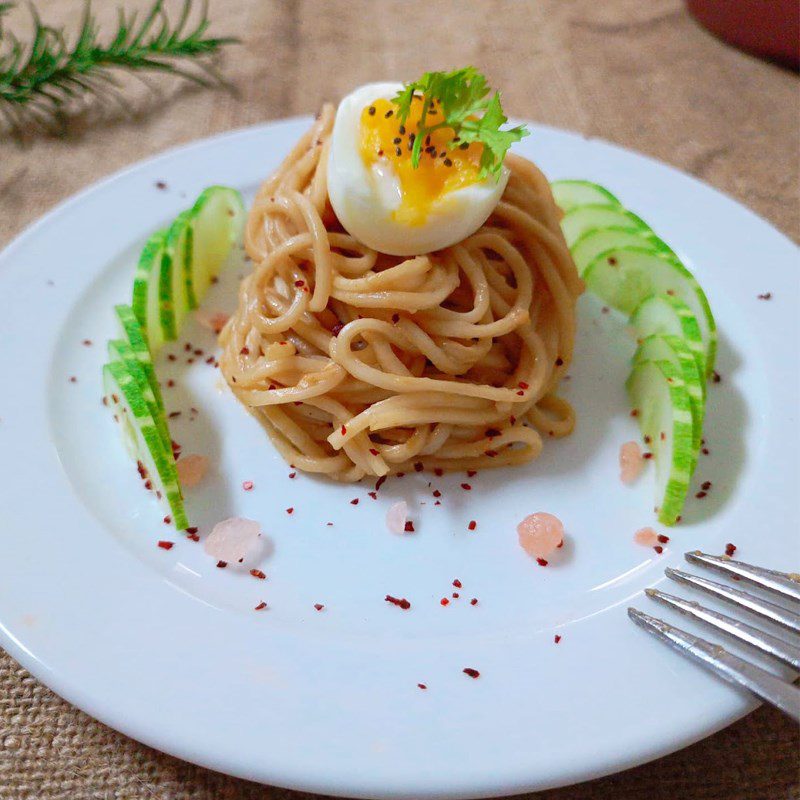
[167, 648]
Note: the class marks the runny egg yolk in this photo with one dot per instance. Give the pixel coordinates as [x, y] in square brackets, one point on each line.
[441, 169]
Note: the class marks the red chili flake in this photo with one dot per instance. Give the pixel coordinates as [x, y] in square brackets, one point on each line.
[705, 451]
[222, 564]
[409, 526]
[659, 549]
[662, 436]
[730, 549]
[523, 385]
[611, 260]
[290, 510]
[195, 537]
[542, 562]
[148, 485]
[560, 544]
[398, 601]
[444, 601]
[198, 352]
[422, 686]
[418, 466]
[247, 485]
[472, 525]
[716, 377]
[170, 383]
[474, 601]
[299, 283]
[491, 433]
[373, 451]
[354, 501]
[559, 361]
[471, 473]
[161, 185]
[245, 351]
[400, 475]
[344, 430]
[437, 493]
[172, 357]
[261, 606]
[512, 419]
[336, 329]
[319, 606]
[438, 503]
[373, 495]
[174, 414]
[662, 538]
[166, 545]
[187, 347]
[438, 471]
[329, 524]
[457, 583]
[380, 483]
[257, 573]
[520, 393]
[635, 412]
[492, 453]
[647, 439]
[395, 318]
[87, 342]
[473, 673]
[167, 519]
[765, 296]
[466, 487]
[701, 495]
[557, 638]
[647, 455]
[456, 595]
[73, 379]
[706, 485]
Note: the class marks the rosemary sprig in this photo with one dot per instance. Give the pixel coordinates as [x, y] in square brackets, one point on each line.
[39, 80]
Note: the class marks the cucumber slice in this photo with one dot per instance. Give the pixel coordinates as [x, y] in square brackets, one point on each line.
[173, 302]
[624, 276]
[665, 314]
[658, 394]
[593, 242]
[667, 347]
[141, 437]
[571, 193]
[120, 350]
[583, 218]
[216, 222]
[133, 334]
[146, 301]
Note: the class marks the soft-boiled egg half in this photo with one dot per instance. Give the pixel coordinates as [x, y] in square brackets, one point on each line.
[382, 199]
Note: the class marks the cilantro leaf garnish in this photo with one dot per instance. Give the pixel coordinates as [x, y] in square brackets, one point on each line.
[459, 100]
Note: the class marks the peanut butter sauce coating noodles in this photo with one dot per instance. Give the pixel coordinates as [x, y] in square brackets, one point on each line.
[359, 363]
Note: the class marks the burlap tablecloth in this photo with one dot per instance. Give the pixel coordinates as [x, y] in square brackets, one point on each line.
[637, 72]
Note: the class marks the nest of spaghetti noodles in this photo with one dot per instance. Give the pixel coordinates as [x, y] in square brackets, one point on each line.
[360, 363]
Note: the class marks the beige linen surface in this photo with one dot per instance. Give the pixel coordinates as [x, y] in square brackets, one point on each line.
[637, 72]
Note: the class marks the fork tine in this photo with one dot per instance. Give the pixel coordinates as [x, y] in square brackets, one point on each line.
[733, 669]
[765, 642]
[755, 605]
[782, 583]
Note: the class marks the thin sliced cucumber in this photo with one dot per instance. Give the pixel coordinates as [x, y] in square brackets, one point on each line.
[666, 347]
[571, 193]
[659, 396]
[593, 242]
[665, 314]
[146, 301]
[132, 332]
[624, 276]
[141, 437]
[583, 218]
[173, 302]
[216, 222]
[120, 350]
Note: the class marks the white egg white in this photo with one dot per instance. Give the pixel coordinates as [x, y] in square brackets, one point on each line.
[364, 198]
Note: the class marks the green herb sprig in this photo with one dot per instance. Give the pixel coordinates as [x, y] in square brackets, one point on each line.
[38, 80]
[462, 98]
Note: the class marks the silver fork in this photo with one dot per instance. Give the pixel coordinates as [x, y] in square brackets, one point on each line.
[781, 693]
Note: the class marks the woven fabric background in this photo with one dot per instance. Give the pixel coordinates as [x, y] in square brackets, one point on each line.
[641, 74]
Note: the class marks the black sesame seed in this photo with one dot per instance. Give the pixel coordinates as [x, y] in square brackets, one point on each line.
[372, 111]
[463, 146]
[398, 151]
[427, 139]
[396, 140]
[448, 162]
[403, 130]
[388, 114]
